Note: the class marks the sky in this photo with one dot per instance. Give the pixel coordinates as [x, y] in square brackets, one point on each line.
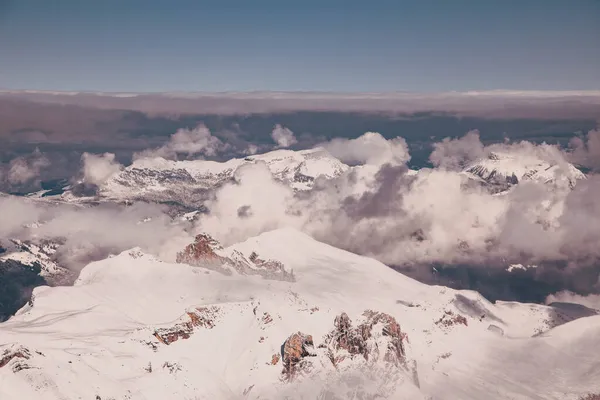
[326, 45]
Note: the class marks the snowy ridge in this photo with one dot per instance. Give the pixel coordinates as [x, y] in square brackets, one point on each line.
[30, 253]
[208, 253]
[99, 337]
[296, 168]
[508, 168]
[186, 182]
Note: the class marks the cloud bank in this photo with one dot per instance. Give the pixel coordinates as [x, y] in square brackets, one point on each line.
[378, 207]
[382, 209]
[92, 233]
[496, 104]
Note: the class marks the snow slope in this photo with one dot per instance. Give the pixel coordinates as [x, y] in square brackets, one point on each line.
[97, 338]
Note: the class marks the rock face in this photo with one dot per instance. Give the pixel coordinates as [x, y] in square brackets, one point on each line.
[375, 346]
[295, 349]
[15, 356]
[17, 281]
[208, 253]
[346, 341]
[204, 317]
[275, 359]
[450, 319]
[202, 252]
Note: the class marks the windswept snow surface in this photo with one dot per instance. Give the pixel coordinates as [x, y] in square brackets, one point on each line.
[95, 340]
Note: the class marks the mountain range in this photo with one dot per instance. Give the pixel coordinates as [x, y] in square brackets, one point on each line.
[278, 315]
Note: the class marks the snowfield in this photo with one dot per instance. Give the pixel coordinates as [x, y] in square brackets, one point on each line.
[135, 327]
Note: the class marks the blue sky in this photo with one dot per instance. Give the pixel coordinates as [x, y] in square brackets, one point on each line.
[327, 45]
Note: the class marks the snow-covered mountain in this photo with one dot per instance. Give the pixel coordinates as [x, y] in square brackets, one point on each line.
[345, 327]
[161, 180]
[39, 254]
[187, 183]
[502, 169]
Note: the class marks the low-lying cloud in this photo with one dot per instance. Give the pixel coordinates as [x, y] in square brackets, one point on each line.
[382, 209]
[591, 301]
[586, 152]
[455, 154]
[197, 142]
[90, 233]
[23, 173]
[378, 207]
[98, 168]
[370, 148]
[283, 136]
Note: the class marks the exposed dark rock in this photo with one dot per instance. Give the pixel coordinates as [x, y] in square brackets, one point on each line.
[451, 319]
[204, 317]
[17, 281]
[207, 252]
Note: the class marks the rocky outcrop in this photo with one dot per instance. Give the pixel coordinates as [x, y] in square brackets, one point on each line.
[208, 253]
[203, 317]
[294, 350]
[15, 356]
[450, 319]
[202, 252]
[375, 346]
[366, 339]
[275, 359]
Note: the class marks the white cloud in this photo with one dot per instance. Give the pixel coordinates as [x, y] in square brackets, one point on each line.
[587, 152]
[370, 148]
[98, 168]
[455, 154]
[251, 149]
[189, 142]
[93, 233]
[378, 208]
[283, 136]
[590, 301]
[24, 171]
[400, 217]
[254, 203]
[16, 213]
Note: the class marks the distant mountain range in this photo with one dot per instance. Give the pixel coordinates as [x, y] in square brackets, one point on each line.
[160, 180]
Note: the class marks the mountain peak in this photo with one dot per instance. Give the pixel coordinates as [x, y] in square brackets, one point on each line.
[507, 168]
